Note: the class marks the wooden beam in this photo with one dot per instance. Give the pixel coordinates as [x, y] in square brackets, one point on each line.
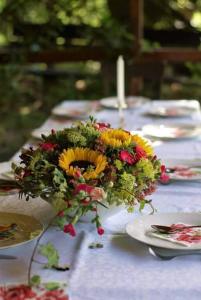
[137, 21]
[71, 54]
[173, 55]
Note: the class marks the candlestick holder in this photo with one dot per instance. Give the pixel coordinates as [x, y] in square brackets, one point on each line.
[122, 122]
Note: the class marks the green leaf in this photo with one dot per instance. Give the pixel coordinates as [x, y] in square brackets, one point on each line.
[35, 280]
[130, 209]
[142, 205]
[52, 286]
[49, 251]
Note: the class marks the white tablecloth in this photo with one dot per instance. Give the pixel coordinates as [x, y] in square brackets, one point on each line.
[123, 268]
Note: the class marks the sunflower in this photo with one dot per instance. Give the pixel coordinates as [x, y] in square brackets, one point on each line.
[116, 138]
[143, 144]
[91, 162]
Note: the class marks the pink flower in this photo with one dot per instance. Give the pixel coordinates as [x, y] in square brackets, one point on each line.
[100, 230]
[139, 153]
[53, 295]
[48, 146]
[97, 194]
[124, 155]
[102, 126]
[26, 173]
[53, 131]
[78, 173]
[83, 187]
[69, 228]
[21, 292]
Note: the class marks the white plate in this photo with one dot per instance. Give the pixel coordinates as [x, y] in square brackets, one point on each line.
[74, 109]
[171, 131]
[139, 227]
[171, 111]
[183, 170]
[131, 101]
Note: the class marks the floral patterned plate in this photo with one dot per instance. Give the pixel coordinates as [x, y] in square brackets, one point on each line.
[17, 229]
[25, 292]
[140, 229]
[172, 131]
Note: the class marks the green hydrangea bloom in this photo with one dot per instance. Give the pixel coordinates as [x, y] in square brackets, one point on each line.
[127, 181]
[89, 132]
[118, 164]
[58, 201]
[145, 169]
[124, 192]
[76, 138]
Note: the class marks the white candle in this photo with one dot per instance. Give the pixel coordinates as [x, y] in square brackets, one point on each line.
[121, 82]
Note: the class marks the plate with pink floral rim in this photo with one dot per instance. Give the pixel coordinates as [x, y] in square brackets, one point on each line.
[171, 111]
[172, 131]
[17, 229]
[131, 102]
[140, 229]
[74, 110]
[183, 170]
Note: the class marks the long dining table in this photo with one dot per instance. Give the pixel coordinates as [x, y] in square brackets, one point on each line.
[122, 268]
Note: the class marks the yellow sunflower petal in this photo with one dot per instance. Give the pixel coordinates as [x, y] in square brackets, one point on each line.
[67, 157]
[116, 138]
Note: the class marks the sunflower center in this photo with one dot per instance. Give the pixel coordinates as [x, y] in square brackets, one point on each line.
[82, 164]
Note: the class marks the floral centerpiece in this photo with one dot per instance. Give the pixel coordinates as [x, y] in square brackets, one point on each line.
[90, 164]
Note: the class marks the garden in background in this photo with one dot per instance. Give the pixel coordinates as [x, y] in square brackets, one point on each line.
[29, 91]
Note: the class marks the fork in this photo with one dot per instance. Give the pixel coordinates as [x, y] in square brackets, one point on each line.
[168, 254]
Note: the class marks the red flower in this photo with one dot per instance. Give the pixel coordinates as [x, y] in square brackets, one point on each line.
[100, 230]
[139, 153]
[124, 155]
[83, 187]
[48, 146]
[21, 292]
[69, 228]
[60, 213]
[163, 169]
[164, 178]
[53, 295]
[85, 202]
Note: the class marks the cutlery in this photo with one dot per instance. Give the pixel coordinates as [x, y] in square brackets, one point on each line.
[168, 254]
[169, 229]
[174, 169]
[3, 256]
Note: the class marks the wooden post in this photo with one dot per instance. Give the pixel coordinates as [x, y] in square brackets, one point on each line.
[137, 21]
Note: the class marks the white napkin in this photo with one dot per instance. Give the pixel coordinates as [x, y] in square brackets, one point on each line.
[186, 237]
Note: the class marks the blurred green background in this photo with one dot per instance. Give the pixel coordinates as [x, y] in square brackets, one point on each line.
[28, 92]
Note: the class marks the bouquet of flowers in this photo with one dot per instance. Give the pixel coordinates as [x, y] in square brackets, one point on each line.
[87, 165]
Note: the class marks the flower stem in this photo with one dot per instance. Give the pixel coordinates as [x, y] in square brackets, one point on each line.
[35, 248]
